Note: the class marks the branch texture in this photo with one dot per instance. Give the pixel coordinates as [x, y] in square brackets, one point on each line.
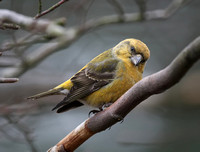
[148, 86]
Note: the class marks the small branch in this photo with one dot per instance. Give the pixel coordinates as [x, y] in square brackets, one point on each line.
[35, 57]
[8, 80]
[7, 64]
[23, 43]
[65, 36]
[117, 7]
[5, 26]
[142, 7]
[30, 39]
[50, 9]
[29, 24]
[175, 4]
[148, 86]
[167, 12]
[134, 17]
[40, 6]
[25, 131]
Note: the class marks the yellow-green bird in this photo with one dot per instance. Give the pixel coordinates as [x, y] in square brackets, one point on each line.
[104, 79]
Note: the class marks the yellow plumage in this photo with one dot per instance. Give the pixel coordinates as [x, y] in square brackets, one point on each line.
[105, 78]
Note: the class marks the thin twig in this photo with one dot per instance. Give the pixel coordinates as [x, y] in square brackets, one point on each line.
[30, 39]
[50, 9]
[85, 13]
[8, 80]
[65, 36]
[23, 43]
[40, 6]
[117, 7]
[25, 131]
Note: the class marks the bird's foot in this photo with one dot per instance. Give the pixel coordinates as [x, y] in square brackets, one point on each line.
[106, 105]
[93, 112]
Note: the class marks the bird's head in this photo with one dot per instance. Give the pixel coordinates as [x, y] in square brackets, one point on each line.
[133, 50]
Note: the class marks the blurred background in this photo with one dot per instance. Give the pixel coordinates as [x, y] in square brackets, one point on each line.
[168, 122]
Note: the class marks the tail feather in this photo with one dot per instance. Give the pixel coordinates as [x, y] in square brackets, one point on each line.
[47, 93]
[69, 106]
[63, 102]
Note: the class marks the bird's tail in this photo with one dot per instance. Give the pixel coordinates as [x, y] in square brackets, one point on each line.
[47, 93]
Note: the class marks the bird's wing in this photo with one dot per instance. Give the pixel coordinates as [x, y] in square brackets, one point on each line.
[90, 79]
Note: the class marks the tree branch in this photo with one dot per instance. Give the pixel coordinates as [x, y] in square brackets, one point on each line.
[153, 84]
[9, 26]
[66, 36]
[29, 24]
[40, 6]
[40, 14]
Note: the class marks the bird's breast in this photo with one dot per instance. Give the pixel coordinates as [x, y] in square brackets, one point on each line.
[125, 78]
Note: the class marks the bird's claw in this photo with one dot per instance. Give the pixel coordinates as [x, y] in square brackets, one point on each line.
[93, 112]
[106, 105]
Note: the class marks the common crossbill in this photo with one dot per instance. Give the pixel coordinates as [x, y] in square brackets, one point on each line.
[105, 78]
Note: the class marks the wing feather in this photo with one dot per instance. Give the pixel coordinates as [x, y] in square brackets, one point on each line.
[90, 79]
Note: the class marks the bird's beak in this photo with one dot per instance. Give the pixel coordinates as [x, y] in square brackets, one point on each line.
[136, 59]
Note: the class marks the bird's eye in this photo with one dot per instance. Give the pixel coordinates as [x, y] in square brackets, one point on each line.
[133, 49]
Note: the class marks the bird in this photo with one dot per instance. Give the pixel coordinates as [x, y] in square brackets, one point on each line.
[104, 79]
